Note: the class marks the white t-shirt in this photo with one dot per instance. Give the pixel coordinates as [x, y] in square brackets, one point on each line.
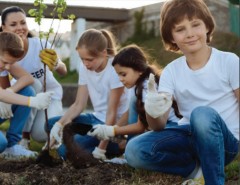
[32, 64]
[212, 86]
[99, 86]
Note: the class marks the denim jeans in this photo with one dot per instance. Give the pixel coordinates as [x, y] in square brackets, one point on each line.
[177, 149]
[17, 122]
[86, 142]
[132, 114]
[3, 142]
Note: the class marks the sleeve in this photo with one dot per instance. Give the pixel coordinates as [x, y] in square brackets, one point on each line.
[82, 74]
[114, 82]
[166, 83]
[233, 71]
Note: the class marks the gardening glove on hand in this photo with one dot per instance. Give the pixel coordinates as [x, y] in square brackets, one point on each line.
[41, 101]
[156, 104]
[5, 110]
[56, 135]
[102, 132]
[99, 153]
[50, 58]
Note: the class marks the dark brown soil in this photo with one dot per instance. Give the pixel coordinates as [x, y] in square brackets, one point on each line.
[29, 172]
[80, 169]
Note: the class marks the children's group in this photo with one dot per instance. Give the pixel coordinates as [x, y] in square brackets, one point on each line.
[181, 120]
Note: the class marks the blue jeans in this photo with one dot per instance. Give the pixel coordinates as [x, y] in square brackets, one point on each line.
[86, 142]
[3, 142]
[132, 114]
[177, 149]
[17, 122]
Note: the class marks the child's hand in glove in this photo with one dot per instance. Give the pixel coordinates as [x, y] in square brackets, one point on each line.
[99, 153]
[56, 135]
[102, 132]
[41, 101]
[50, 58]
[156, 104]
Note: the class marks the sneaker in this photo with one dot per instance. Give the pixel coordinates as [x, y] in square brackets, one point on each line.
[196, 181]
[17, 151]
[25, 143]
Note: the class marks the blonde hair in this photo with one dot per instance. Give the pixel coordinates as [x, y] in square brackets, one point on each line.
[96, 41]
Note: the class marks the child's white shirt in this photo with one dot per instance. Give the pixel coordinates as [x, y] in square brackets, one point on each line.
[99, 86]
[212, 86]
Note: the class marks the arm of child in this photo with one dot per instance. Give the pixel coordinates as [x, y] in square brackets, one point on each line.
[75, 109]
[40, 101]
[113, 103]
[106, 132]
[157, 106]
[23, 77]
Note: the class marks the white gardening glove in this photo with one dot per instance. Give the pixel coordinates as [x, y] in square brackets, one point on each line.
[99, 153]
[41, 100]
[156, 104]
[5, 110]
[102, 132]
[56, 135]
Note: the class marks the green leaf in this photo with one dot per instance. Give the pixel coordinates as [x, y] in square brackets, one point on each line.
[71, 16]
[32, 12]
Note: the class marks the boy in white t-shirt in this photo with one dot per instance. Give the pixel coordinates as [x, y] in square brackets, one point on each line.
[205, 84]
[15, 100]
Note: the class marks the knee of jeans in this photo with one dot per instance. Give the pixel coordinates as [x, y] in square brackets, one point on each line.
[201, 117]
[202, 120]
[3, 145]
[132, 154]
[27, 91]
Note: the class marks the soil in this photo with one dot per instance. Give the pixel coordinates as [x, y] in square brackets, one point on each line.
[79, 169]
[30, 172]
[27, 171]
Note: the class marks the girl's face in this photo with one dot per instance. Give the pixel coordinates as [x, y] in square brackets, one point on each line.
[127, 75]
[16, 22]
[190, 35]
[6, 61]
[93, 63]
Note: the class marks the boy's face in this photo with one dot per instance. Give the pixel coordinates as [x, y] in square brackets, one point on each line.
[6, 61]
[127, 75]
[190, 35]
